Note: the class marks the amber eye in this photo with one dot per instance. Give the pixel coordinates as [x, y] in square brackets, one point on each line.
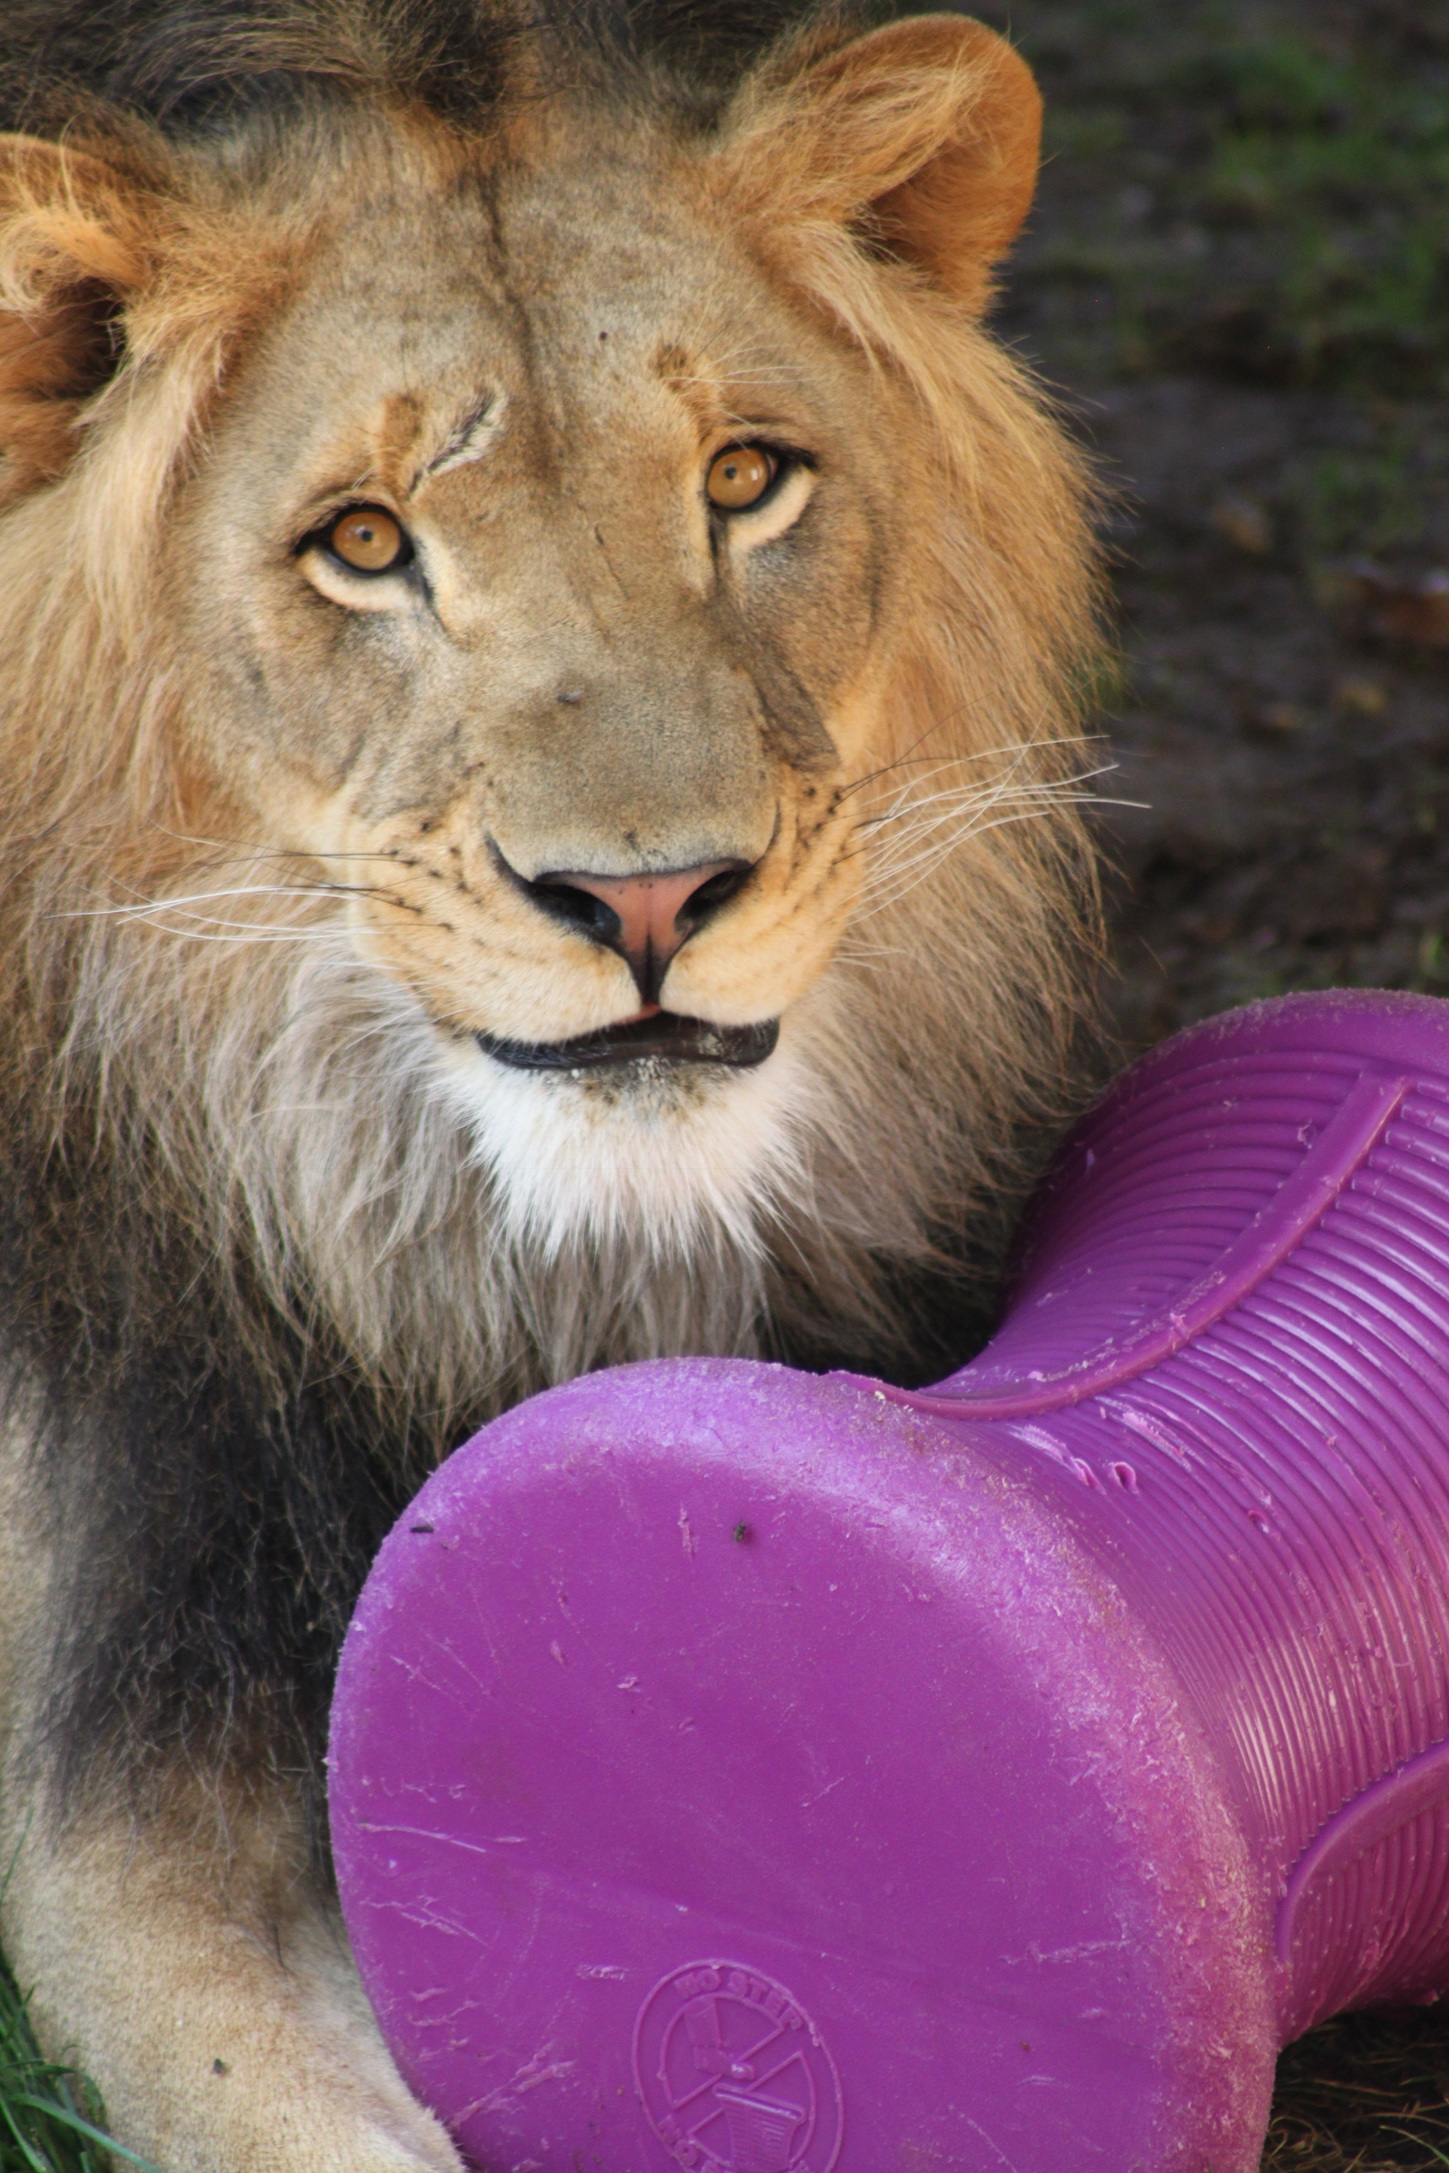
[739, 477]
[368, 540]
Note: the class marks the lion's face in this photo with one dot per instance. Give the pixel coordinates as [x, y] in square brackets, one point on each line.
[515, 579]
[581, 666]
[574, 736]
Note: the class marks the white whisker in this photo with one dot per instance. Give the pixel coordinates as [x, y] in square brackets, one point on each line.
[917, 869]
[295, 936]
[170, 902]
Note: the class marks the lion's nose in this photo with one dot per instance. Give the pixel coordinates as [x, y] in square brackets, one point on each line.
[645, 918]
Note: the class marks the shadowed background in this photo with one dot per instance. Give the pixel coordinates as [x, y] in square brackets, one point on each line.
[1238, 275]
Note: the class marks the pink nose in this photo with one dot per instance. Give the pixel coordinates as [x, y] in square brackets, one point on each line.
[652, 915]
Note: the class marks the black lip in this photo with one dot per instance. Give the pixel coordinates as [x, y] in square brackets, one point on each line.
[677, 1040]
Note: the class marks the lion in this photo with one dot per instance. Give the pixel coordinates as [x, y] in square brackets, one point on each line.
[542, 673]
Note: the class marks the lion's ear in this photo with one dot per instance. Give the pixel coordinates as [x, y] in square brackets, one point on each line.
[74, 253]
[922, 138]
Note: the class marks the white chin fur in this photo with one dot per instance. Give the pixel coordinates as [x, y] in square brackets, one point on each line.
[663, 1155]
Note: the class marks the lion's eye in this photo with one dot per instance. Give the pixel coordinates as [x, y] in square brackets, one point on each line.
[739, 477]
[368, 540]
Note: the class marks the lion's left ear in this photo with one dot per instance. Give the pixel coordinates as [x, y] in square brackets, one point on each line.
[921, 138]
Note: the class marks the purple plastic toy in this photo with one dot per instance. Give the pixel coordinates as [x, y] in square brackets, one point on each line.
[745, 1771]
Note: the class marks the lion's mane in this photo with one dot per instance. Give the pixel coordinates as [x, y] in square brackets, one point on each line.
[254, 1279]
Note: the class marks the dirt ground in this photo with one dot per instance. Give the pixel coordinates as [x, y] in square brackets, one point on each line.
[1238, 276]
[1264, 442]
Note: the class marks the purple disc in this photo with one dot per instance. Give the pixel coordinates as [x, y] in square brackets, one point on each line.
[729, 1776]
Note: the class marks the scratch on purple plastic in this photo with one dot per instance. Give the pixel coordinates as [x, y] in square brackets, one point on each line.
[1067, 1954]
[1145, 1427]
[1037, 1437]
[542, 2068]
[427, 1833]
[427, 1920]
[994, 2147]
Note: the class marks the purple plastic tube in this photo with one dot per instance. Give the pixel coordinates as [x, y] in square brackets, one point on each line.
[750, 1772]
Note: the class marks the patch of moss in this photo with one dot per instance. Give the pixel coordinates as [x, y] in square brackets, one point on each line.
[1259, 190]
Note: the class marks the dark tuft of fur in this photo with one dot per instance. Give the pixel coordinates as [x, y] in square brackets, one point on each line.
[186, 65]
[181, 63]
[212, 1515]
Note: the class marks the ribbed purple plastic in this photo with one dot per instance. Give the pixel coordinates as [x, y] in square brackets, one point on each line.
[1238, 1290]
[1124, 1652]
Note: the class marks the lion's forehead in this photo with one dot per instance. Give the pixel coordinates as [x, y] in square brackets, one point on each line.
[580, 299]
[542, 407]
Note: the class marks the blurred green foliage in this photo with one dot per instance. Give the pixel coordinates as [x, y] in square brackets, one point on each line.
[1343, 166]
[1369, 497]
[1259, 189]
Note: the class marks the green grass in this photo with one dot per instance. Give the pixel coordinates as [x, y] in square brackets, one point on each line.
[1336, 164]
[51, 2117]
[1248, 186]
[1369, 499]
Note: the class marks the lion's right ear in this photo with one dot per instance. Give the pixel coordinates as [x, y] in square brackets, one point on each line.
[77, 248]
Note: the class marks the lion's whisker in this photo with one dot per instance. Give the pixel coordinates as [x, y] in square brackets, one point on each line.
[960, 810]
[929, 845]
[171, 901]
[261, 937]
[933, 855]
[1043, 790]
[962, 818]
[246, 852]
[1015, 753]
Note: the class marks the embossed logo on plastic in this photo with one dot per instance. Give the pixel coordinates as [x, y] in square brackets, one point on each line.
[733, 2075]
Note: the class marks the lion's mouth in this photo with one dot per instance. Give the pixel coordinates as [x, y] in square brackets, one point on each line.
[664, 1036]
